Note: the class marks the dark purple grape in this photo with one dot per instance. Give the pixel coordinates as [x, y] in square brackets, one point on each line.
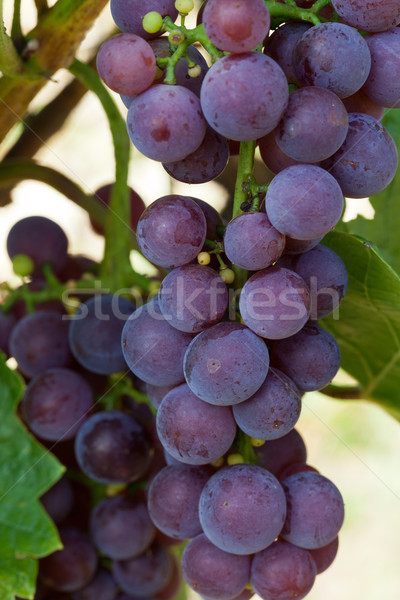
[58, 500]
[226, 364]
[275, 303]
[295, 468]
[369, 15]
[314, 125]
[257, 109]
[128, 14]
[272, 411]
[272, 155]
[311, 357]
[166, 123]
[252, 243]
[282, 572]
[304, 202]
[332, 56]
[360, 103]
[279, 46]
[367, 161]
[156, 393]
[236, 26]
[121, 527]
[275, 455]
[111, 448]
[147, 341]
[56, 403]
[213, 219]
[194, 431]
[101, 587]
[382, 86]
[137, 206]
[242, 509]
[193, 298]
[293, 246]
[315, 510]
[126, 63]
[95, 333]
[326, 276]
[41, 239]
[146, 574]
[212, 572]
[173, 500]
[324, 557]
[39, 341]
[71, 568]
[204, 164]
[7, 322]
[171, 231]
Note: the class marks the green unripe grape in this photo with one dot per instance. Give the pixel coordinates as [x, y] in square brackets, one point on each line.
[227, 275]
[235, 459]
[257, 443]
[194, 71]
[22, 265]
[184, 6]
[203, 258]
[152, 22]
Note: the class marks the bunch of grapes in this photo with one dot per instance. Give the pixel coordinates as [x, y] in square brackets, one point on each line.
[224, 351]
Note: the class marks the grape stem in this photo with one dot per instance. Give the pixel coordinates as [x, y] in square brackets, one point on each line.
[292, 12]
[343, 392]
[319, 5]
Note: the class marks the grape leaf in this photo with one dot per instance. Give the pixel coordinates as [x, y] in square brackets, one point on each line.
[383, 230]
[368, 327]
[27, 470]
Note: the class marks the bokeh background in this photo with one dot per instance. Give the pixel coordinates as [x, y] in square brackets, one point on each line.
[354, 443]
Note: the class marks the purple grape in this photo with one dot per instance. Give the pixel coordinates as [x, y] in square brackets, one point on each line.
[121, 527]
[171, 231]
[146, 574]
[194, 431]
[293, 246]
[304, 202]
[326, 276]
[360, 103]
[204, 164]
[243, 96]
[226, 364]
[311, 357]
[41, 239]
[275, 303]
[282, 572]
[324, 557]
[7, 323]
[212, 572]
[369, 15]
[193, 298]
[367, 161]
[332, 56]
[111, 448]
[56, 403]
[276, 455]
[126, 63]
[295, 468]
[58, 500]
[242, 509]
[71, 568]
[165, 123]
[279, 46]
[128, 14]
[383, 85]
[95, 333]
[315, 510]
[39, 341]
[173, 500]
[236, 26]
[213, 218]
[272, 411]
[313, 126]
[156, 393]
[272, 155]
[252, 243]
[101, 587]
[147, 340]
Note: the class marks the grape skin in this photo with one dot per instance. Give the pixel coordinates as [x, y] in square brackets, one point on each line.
[382, 86]
[101, 587]
[165, 123]
[272, 155]
[279, 46]
[257, 109]
[58, 500]
[214, 355]
[242, 509]
[213, 573]
[369, 15]
[146, 574]
[276, 455]
[128, 14]
[324, 557]
[194, 431]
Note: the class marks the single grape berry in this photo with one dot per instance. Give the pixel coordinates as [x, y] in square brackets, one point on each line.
[152, 22]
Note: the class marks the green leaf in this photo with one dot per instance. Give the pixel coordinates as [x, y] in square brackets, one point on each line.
[368, 327]
[27, 470]
[383, 230]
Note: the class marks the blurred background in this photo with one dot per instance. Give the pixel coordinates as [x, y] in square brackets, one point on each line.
[353, 443]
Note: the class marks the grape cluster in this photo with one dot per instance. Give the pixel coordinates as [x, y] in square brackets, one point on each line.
[222, 356]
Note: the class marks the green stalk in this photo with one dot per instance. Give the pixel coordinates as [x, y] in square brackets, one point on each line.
[319, 5]
[350, 392]
[292, 12]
